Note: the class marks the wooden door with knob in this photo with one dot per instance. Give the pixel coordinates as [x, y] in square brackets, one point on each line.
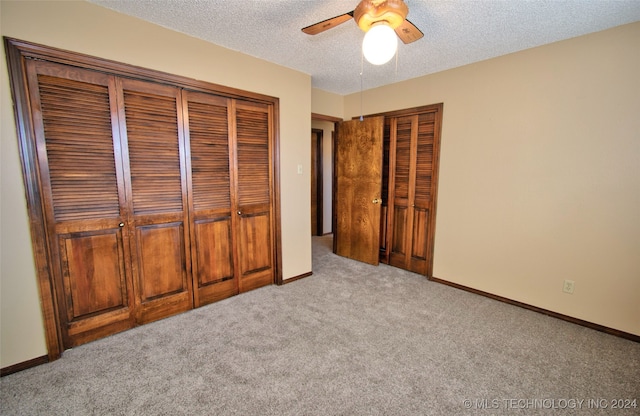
[213, 218]
[413, 166]
[253, 193]
[82, 189]
[358, 186]
[154, 160]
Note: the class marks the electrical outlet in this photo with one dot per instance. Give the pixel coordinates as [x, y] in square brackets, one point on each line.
[568, 286]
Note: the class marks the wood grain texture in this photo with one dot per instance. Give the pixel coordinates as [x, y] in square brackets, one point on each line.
[153, 148]
[413, 138]
[210, 162]
[81, 184]
[214, 251]
[209, 146]
[359, 151]
[156, 190]
[254, 187]
[93, 272]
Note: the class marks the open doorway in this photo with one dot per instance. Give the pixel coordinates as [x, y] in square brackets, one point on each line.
[322, 148]
[316, 182]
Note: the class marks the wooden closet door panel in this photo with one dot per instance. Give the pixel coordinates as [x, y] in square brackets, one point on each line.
[256, 258]
[403, 193]
[150, 116]
[208, 138]
[422, 193]
[398, 234]
[253, 134]
[424, 160]
[160, 259]
[403, 158]
[90, 260]
[214, 251]
[75, 125]
[419, 241]
[413, 138]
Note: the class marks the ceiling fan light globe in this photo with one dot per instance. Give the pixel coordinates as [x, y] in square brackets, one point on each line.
[380, 44]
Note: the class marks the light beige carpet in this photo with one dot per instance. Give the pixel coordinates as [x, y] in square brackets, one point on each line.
[351, 339]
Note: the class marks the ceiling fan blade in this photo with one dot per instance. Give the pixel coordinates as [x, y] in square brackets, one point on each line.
[327, 24]
[408, 32]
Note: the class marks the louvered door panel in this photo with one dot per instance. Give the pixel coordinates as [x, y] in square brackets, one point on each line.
[424, 159]
[402, 158]
[209, 141]
[384, 209]
[252, 129]
[423, 186]
[154, 152]
[211, 214]
[404, 153]
[253, 192]
[77, 127]
[150, 116]
[412, 141]
[82, 189]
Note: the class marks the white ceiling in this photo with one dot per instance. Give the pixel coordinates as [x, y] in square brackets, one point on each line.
[456, 32]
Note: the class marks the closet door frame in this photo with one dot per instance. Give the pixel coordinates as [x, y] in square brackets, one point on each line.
[17, 52]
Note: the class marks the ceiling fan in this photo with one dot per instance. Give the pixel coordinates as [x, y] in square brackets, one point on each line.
[370, 13]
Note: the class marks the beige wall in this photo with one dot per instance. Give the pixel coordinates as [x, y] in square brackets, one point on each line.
[540, 174]
[327, 103]
[93, 30]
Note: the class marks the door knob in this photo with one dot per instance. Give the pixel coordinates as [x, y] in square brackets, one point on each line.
[121, 224]
[377, 201]
[239, 212]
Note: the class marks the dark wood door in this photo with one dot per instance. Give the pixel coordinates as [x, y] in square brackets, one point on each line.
[153, 151]
[358, 186]
[253, 193]
[212, 216]
[411, 190]
[81, 180]
[253, 181]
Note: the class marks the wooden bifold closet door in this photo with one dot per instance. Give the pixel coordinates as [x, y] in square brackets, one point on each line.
[254, 212]
[155, 199]
[231, 213]
[156, 196]
[83, 191]
[409, 195]
[212, 222]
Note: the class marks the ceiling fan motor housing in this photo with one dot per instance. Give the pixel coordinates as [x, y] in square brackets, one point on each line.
[370, 12]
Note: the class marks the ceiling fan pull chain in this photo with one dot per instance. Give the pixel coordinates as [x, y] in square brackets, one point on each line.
[361, 72]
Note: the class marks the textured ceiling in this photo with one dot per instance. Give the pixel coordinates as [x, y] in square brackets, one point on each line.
[457, 32]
